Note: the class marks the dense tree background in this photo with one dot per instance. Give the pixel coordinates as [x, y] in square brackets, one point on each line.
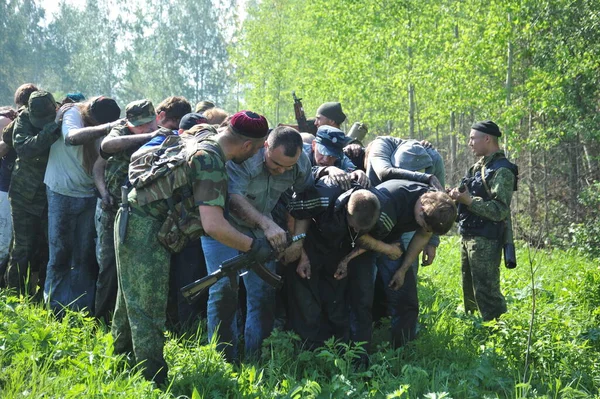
[422, 69]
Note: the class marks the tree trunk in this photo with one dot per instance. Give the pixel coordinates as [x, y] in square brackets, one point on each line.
[509, 64]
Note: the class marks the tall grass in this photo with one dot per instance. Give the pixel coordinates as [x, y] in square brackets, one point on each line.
[455, 355]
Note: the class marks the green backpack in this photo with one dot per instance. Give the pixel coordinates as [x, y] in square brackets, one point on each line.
[157, 172]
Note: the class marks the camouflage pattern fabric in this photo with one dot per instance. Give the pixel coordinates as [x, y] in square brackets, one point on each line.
[205, 178]
[27, 194]
[501, 186]
[480, 259]
[32, 146]
[143, 275]
[29, 248]
[117, 165]
[143, 279]
[481, 256]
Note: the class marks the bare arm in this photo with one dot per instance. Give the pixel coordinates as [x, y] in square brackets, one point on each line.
[216, 226]
[418, 242]
[367, 243]
[4, 149]
[112, 145]
[370, 243]
[98, 173]
[86, 134]
[239, 206]
[294, 251]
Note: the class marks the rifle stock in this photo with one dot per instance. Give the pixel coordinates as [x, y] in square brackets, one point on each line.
[230, 268]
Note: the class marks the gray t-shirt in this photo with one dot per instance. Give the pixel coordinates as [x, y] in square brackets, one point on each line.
[65, 173]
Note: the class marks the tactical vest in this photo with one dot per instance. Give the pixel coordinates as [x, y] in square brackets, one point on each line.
[160, 174]
[470, 224]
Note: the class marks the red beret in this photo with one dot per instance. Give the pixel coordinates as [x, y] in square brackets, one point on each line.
[249, 124]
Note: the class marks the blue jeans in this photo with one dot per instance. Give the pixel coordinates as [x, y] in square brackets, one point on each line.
[223, 301]
[72, 267]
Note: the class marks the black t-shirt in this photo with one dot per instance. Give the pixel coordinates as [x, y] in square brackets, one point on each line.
[397, 199]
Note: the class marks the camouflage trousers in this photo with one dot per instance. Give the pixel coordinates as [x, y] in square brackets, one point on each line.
[480, 259]
[143, 280]
[29, 249]
[106, 285]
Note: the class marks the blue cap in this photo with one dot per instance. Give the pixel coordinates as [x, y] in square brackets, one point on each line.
[331, 141]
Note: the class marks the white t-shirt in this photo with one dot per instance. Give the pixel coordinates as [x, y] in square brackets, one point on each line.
[65, 173]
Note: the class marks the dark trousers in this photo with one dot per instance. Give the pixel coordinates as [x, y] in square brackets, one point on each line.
[187, 266]
[106, 284]
[317, 307]
[361, 287]
[403, 305]
[29, 250]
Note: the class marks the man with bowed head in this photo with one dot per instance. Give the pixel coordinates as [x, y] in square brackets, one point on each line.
[143, 275]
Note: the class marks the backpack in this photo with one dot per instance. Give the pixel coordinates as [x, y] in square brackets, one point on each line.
[158, 172]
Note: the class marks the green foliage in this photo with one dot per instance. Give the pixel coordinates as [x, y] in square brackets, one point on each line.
[455, 355]
[586, 236]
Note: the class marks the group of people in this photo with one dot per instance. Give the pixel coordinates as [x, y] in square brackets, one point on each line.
[114, 215]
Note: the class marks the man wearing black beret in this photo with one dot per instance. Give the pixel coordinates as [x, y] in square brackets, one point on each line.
[330, 114]
[484, 207]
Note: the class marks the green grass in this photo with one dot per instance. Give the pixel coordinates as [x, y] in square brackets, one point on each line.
[455, 356]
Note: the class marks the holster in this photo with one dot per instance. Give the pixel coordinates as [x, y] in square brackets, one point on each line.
[124, 214]
[510, 255]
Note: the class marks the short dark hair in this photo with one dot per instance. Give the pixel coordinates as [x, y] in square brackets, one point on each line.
[285, 136]
[23, 92]
[364, 208]
[203, 106]
[356, 153]
[439, 211]
[175, 108]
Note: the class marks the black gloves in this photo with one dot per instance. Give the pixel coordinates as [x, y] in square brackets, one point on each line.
[260, 251]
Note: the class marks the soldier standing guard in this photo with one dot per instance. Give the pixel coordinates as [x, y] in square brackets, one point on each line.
[484, 208]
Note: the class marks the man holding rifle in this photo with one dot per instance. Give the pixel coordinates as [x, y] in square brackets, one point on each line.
[255, 187]
[143, 264]
[484, 208]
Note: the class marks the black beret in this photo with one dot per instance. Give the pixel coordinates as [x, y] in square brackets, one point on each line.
[332, 111]
[487, 127]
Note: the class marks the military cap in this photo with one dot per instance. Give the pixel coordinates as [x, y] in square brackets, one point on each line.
[42, 108]
[140, 112]
[104, 110]
[487, 127]
[190, 120]
[331, 141]
[333, 111]
[249, 124]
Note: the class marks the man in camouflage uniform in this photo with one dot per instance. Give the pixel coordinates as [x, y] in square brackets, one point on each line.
[35, 131]
[110, 173]
[143, 263]
[483, 210]
[9, 156]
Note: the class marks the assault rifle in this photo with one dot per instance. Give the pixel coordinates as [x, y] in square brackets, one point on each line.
[231, 268]
[300, 116]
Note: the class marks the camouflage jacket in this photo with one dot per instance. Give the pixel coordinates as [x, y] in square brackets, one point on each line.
[501, 186]
[32, 146]
[117, 164]
[206, 180]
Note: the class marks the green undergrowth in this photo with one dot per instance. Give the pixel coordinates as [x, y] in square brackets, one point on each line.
[455, 355]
